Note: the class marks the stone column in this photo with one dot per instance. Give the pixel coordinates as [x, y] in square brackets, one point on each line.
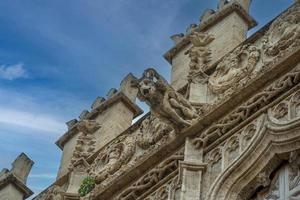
[191, 170]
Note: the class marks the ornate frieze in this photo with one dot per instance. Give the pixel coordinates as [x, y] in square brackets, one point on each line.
[258, 101]
[112, 159]
[152, 130]
[287, 110]
[165, 103]
[152, 178]
[284, 33]
[126, 151]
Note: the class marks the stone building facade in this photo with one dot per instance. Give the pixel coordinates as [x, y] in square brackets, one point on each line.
[227, 127]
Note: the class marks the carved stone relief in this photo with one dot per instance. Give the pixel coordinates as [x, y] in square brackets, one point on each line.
[165, 103]
[286, 110]
[283, 34]
[111, 160]
[152, 130]
[152, 178]
[255, 103]
[85, 145]
[199, 53]
[225, 154]
[166, 192]
[233, 68]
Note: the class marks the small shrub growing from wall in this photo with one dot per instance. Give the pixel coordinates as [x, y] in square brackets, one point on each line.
[88, 184]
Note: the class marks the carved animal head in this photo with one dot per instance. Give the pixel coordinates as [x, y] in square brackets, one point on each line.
[150, 85]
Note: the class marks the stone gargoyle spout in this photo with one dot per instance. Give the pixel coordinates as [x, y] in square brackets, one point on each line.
[165, 103]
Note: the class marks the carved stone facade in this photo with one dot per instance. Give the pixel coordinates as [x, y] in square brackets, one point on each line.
[226, 128]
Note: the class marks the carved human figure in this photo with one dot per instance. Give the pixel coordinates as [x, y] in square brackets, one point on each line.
[165, 103]
[233, 68]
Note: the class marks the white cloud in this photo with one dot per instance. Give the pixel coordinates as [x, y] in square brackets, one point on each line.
[12, 72]
[36, 121]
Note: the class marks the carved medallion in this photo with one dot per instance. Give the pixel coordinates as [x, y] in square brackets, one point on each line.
[283, 33]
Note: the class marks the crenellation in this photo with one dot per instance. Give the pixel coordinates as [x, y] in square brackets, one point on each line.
[111, 93]
[71, 123]
[97, 102]
[83, 115]
[206, 15]
[191, 28]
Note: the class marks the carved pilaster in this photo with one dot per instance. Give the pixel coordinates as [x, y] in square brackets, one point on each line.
[191, 170]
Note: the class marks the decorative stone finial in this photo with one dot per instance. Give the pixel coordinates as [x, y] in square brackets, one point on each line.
[111, 92]
[83, 114]
[177, 38]
[191, 28]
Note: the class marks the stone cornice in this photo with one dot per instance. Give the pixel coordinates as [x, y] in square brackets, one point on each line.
[12, 179]
[215, 18]
[118, 97]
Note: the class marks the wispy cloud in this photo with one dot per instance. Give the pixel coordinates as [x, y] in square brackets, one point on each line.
[30, 120]
[12, 72]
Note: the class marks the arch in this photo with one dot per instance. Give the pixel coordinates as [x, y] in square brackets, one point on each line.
[268, 150]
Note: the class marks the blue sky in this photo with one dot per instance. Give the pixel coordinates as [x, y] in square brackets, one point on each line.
[57, 56]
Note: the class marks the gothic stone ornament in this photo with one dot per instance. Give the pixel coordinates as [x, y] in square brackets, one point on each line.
[110, 161]
[199, 53]
[165, 103]
[85, 145]
[152, 131]
[153, 177]
[283, 33]
[260, 100]
[236, 66]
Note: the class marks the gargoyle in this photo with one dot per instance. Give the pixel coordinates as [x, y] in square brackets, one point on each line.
[165, 103]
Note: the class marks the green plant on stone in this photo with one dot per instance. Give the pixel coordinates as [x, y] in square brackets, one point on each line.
[87, 185]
